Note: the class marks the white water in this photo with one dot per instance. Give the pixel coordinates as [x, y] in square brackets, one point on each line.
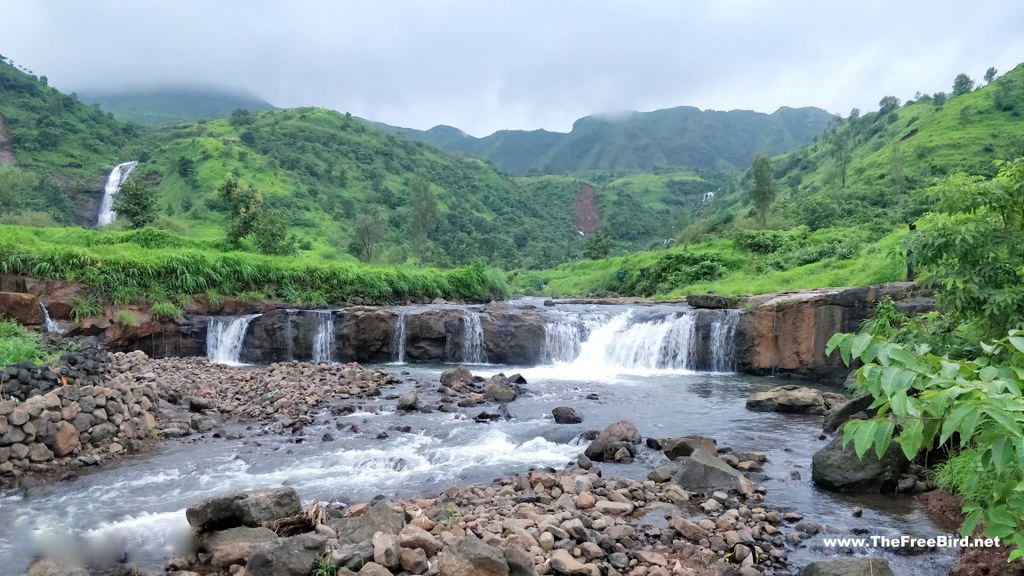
[564, 338]
[723, 333]
[51, 325]
[398, 340]
[117, 177]
[323, 342]
[224, 336]
[473, 351]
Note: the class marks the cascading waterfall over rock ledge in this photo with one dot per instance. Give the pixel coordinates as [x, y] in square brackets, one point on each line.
[224, 338]
[398, 339]
[323, 342]
[118, 175]
[473, 348]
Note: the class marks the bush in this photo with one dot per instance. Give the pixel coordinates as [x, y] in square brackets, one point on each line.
[164, 311]
[18, 345]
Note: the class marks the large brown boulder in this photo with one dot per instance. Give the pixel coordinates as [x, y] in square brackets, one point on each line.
[621, 434]
[364, 334]
[250, 508]
[703, 471]
[789, 399]
[22, 308]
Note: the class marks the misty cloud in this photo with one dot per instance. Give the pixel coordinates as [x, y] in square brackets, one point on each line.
[484, 66]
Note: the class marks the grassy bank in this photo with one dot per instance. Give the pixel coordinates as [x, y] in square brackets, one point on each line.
[18, 345]
[753, 262]
[159, 267]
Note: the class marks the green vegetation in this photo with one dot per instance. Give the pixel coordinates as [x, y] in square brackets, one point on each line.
[18, 345]
[159, 108]
[135, 202]
[150, 264]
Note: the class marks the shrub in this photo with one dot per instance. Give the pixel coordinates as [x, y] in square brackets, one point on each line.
[164, 311]
[85, 307]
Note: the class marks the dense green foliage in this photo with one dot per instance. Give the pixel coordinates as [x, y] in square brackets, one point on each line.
[682, 137]
[972, 245]
[135, 202]
[762, 194]
[925, 401]
[17, 344]
[158, 108]
[125, 267]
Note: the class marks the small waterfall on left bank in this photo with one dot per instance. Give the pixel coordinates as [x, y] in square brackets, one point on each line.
[224, 336]
[52, 327]
[721, 342]
[118, 175]
[323, 342]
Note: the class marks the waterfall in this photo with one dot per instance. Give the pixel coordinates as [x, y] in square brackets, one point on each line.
[398, 340]
[289, 336]
[564, 338]
[117, 177]
[51, 325]
[224, 336]
[473, 339]
[323, 342]
[723, 333]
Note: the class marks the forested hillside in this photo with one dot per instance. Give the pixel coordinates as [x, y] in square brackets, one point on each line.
[682, 137]
[174, 106]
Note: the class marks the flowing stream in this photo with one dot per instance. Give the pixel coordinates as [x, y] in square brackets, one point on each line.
[118, 175]
[609, 364]
[323, 342]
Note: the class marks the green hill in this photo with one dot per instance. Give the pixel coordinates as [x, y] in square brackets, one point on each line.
[682, 137]
[174, 106]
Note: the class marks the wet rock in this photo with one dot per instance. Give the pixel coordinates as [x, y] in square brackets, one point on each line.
[293, 556]
[843, 413]
[679, 447]
[471, 557]
[566, 415]
[621, 433]
[837, 469]
[409, 402]
[848, 567]
[703, 471]
[499, 389]
[790, 399]
[456, 378]
[379, 517]
[243, 509]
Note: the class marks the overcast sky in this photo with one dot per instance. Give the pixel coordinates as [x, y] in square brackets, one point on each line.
[485, 65]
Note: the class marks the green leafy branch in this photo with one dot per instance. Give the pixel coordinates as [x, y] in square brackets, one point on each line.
[924, 401]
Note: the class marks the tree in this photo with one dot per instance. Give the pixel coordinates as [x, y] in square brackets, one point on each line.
[962, 84]
[838, 142]
[887, 104]
[854, 115]
[136, 203]
[897, 178]
[972, 245]
[990, 75]
[15, 184]
[368, 230]
[940, 98]
[271, 235]
[245, 206]
[424, 211]
[597, 246]
[763, 192]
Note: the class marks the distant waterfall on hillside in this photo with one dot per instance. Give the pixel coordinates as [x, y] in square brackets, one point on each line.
[224, 336]
[323, 342]
[118, 175]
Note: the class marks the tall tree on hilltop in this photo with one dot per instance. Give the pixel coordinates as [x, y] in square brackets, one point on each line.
[962, 84]
[763, 192]
[424, 211]
[990, 75]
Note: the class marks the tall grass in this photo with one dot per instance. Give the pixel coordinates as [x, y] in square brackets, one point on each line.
[18, 345]
[155, 265]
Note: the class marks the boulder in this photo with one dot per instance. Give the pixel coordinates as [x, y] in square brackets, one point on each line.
[837, 469]
[374, 569]
[789, 399]
[499, 389]
[471, 557]
[848, 567]
[22, 308]
[408, 402]
[845, 412]
[562, 562]
[386, 550]
[416, 537]
[520, 562]
[619, 433]
[457, 377]
[250, 508]
[234, 545]
[378, 518]
[680, 447]
[566, 415]
[293, 556]
[703, 471]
